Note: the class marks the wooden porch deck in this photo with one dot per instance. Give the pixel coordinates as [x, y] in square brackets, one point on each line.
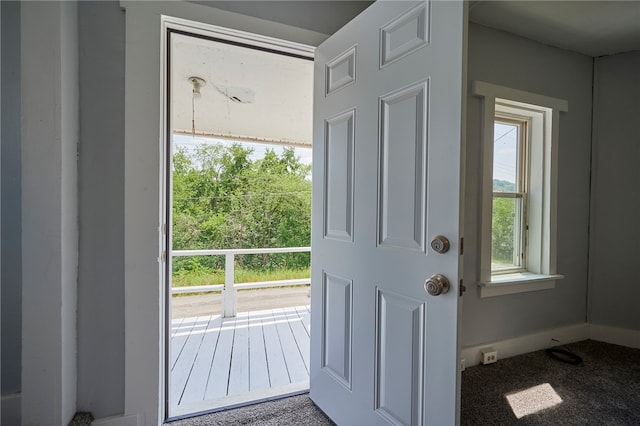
[220, 362]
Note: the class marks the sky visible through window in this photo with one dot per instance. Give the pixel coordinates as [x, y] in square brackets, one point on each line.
[505, 151]
[259, 149]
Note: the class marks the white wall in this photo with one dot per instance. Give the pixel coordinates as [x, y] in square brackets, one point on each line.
[101, 208]
[11, 207]
[49, 87]
[494, 57]
[614, 291]
[504, 59]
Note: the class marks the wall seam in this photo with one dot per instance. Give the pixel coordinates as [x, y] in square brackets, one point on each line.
[592, 176]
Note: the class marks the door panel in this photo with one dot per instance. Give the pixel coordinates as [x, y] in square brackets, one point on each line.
[399, 358]
[403, 141]
[405, 34]
[338, 175]
[387, 155]
[336, 339]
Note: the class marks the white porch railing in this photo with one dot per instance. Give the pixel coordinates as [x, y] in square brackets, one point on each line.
[229, 288]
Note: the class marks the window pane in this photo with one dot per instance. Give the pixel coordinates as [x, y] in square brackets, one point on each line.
[505, 156]
[505, 235]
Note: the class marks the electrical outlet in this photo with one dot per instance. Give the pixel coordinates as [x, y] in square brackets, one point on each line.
[462, 364]
[489, 356]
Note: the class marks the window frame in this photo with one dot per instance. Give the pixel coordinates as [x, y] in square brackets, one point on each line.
[543, 113]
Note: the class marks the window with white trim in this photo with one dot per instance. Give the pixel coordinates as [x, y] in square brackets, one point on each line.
[519, 190]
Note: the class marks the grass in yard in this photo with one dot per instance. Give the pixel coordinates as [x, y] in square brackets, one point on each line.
[208, 277]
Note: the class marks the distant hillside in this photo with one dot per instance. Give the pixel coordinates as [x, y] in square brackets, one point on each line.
[503, 186]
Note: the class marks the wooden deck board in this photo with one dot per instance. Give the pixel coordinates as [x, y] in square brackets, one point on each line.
[197, 384]
[219, 374]
[278, 374]
[258, 369]
[184, 364]
[180, 338]
[305, 315]
[261, 352]
[295, 365]
[239, 372]
[299, 334]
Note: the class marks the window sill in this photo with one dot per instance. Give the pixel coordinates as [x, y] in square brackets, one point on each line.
[517, 283]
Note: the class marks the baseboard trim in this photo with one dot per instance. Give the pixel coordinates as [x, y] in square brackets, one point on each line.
[11, 409]
[615, 335]
[527, 343]
[131, 420]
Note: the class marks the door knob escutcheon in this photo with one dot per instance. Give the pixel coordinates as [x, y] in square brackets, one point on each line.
[436, 285]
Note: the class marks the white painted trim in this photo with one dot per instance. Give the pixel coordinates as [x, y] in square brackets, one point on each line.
[482, 88]
[527, 343]
[133, 420]
[537, 341]
[615, 335]
[245, 37]
[144, 151]
[11, 409]
[542, 112]
[50, 124]
[517, 283]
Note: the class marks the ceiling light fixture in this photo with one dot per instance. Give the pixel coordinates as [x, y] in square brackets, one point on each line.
[197, 84]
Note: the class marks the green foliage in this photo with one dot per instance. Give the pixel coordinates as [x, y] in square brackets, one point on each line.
[502, 224]
[215, 276]
[224, 199]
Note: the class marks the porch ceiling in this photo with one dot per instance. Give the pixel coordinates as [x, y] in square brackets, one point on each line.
[248, 93]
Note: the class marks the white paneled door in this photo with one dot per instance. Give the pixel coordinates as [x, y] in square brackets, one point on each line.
[387, 180]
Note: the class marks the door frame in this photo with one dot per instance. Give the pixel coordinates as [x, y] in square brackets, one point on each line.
[145, 185]
[180, 27]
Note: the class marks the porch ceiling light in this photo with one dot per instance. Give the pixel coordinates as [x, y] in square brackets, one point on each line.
[197, 83]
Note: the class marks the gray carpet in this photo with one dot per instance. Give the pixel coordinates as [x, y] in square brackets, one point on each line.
[296, 410]
[81, 419]
[603, 390]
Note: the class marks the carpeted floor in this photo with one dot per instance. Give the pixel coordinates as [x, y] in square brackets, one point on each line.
[296, 410]
[531, 389]
[603, 390]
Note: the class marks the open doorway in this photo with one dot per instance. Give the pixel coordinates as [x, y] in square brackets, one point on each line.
[239, 206]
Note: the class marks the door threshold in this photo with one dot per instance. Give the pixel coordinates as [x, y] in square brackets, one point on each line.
[199, 408]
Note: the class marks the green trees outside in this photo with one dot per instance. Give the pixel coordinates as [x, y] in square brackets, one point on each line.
[502, 224]
[222, 198]
[502, 231]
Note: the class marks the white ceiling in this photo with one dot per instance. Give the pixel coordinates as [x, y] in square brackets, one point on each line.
[594, 28]
[274, 92]
[323, 16]
[249, 94]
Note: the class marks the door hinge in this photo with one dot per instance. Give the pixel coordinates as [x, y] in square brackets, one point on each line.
[163, 256]
[462, 288]
[461, 246]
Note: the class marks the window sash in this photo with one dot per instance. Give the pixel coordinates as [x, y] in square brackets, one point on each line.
[519, 196]
[520, 227]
